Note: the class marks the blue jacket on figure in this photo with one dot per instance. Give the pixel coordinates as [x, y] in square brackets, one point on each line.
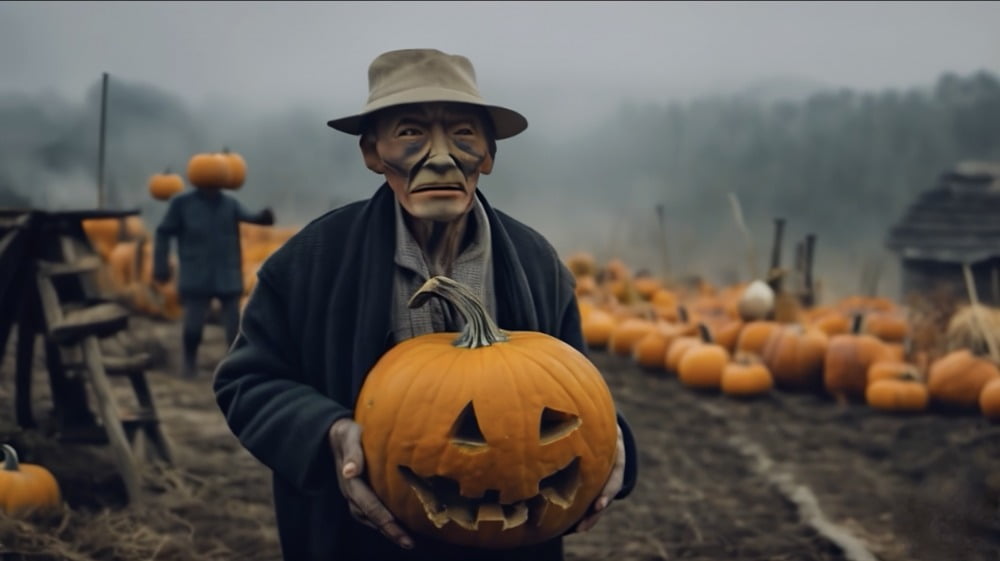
[206, 225]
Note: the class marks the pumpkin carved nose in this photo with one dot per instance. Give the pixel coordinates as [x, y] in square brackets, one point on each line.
[466, 432]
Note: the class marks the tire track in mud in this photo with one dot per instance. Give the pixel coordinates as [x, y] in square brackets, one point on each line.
[698, 496]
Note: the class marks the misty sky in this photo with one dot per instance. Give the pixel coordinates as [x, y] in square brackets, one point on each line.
[556, 62]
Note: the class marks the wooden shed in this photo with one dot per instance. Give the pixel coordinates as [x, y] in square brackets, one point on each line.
[955, 222]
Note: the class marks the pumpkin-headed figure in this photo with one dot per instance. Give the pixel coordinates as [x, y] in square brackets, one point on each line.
[492, 439]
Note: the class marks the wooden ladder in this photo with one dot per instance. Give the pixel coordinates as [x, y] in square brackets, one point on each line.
[75, 320]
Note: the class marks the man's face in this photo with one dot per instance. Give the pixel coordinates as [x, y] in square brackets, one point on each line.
[431, 155]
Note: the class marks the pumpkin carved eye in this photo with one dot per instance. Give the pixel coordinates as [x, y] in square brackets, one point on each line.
[466, 432]
[556, 424]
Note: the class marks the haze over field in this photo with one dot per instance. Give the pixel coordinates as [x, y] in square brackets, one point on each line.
[833, 115]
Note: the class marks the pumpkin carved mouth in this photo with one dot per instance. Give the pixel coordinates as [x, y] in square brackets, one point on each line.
[444, 503]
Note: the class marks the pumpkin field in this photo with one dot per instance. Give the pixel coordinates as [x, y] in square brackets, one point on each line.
[766, 429]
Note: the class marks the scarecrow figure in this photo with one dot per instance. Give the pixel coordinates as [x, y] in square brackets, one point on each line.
[205, 222]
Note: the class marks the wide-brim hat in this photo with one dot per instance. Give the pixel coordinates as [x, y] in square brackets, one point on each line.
[426, 75]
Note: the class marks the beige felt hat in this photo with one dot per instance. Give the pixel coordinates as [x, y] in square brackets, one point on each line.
[423, 75]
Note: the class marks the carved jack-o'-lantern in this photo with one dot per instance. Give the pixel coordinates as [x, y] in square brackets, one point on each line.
[494, 439]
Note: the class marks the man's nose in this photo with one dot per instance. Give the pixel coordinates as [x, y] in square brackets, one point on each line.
[439, 158]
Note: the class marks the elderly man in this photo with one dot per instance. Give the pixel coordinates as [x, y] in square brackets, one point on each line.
[332, 300]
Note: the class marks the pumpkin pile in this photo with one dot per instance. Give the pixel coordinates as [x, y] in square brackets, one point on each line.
[445, 417]
[126, 250]
[747, 340]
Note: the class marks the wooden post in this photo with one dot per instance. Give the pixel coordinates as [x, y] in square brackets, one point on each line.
[995, 283]
[810, 256]
[100, 144]
[734, 202]
[662, 220]
[800, 267]
[779, 231]
[775, 276]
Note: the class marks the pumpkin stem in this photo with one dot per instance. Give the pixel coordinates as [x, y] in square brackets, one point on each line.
[682, 314]
[706, 333]
[480, 330]
[857, 319]
[10, 462]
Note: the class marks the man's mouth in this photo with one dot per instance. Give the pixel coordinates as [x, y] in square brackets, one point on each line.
[438, 187]
[443, 502]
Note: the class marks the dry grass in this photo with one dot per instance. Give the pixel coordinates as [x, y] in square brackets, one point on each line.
[966, 331]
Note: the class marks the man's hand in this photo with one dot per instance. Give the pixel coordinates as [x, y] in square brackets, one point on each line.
[611, 488]
[267, 217]
[345, 441]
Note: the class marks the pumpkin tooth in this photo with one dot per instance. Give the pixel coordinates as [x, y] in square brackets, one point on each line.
[515, 515]
[560, 488]
[463, 514]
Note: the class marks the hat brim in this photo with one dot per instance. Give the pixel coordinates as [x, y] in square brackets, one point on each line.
[507, 122]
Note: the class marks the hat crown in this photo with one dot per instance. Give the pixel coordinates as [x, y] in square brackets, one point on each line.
[408, 76]
[409, 69]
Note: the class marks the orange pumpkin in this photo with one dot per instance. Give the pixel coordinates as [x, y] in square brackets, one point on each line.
[897, 395]
[746, 376]
[989, 399]
[702, 365]
[597, 328]
[209, 171]
[892, 369]
[651, 351]
[646, 286]
[831, 322]
[754, 336]
[586, 286]
[794, 355]
[26, 489]
[237, 169]
[104, 233]
[887, 326]
[444, 416]
[164, 185]
[627, 333]
[677, 349]
[582, 264]
[957, 378]
[664, 298]
[726, 332]
[848, 357]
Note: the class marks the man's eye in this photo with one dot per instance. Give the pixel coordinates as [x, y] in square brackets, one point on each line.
[464, 131]
[409, 131]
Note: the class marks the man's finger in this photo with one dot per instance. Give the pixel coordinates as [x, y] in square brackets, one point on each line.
[615, 480]
[587, 523]
[351, 458]
[373, 510]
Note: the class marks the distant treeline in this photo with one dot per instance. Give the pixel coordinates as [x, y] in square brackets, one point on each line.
[840, 164]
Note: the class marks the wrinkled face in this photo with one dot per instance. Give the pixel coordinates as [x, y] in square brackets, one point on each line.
[431, 155]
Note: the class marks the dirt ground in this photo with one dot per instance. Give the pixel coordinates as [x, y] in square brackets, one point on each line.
[719, 479]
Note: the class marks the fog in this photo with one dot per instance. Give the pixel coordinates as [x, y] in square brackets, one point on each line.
[831, 115]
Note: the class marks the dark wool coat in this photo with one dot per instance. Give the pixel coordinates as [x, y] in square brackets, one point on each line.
[206, 225]
[317, 322]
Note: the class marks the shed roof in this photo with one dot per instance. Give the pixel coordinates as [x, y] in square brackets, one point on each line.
[957, 221]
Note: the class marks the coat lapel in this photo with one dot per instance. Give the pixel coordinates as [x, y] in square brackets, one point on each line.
[363, 288]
